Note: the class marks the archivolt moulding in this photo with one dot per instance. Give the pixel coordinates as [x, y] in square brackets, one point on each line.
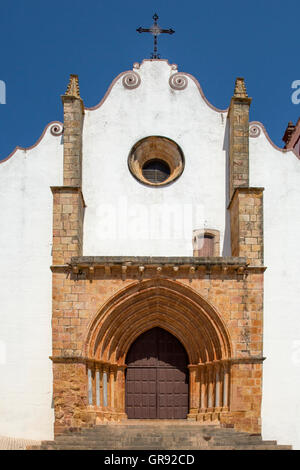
[157, 303]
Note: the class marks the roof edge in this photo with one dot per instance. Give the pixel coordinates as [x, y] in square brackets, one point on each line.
[56, 130]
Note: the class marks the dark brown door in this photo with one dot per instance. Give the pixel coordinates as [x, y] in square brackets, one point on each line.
[157, 377]
[205, 246]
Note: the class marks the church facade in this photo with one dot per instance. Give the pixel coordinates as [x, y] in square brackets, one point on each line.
[150, 264]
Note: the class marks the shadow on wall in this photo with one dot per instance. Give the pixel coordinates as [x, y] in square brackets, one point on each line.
[227, 235]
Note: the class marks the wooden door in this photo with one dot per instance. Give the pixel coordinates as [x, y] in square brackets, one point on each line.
[157, 377]
[204, 246]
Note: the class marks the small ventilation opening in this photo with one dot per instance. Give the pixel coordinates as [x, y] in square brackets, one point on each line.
[156, 171]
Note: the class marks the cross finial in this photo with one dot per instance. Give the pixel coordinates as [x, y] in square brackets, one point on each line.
[155, 30]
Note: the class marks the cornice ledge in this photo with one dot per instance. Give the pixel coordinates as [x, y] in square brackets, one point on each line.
[74, 189]
[244, 189]
[86, 261]
[80, 360]
[247, 360]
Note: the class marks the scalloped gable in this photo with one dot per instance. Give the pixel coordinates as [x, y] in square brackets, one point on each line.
[258, 130]
[178, 82]
[56, 130]
[149, 68]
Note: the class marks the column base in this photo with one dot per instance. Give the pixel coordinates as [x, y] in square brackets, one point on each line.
[205, 415]
[122, 416]
[218, 409]
[104, 415]
[192, 414]
[191, 417]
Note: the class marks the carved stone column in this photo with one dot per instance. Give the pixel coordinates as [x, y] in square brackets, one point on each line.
[111, 398]
[218, 387]
[226, 386]
[90, 386]
[120, 392]
[202, 392]
[211, 383]
[204, 388]
[98, 389]
[194, 392]
[105, 386]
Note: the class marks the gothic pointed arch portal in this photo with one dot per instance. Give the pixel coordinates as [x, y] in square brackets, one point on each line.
[182, 313]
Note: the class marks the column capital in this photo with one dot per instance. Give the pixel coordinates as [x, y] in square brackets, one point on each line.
[209, 365]
[202, 366]
[90, 364]
[113, 368]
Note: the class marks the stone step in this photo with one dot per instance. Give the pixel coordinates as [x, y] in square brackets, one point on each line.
[166, 446]
[242, 440]
[166, 437]
[142, 447]
[99, 435]
[132, 430]
[163, 438]
[263, 447]
[219, 440]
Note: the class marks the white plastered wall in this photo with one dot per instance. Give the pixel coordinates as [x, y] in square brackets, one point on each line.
[121, 213]
[279, 174]
[25, 288]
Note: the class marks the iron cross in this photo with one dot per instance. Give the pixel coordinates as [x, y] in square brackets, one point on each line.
[155, 30]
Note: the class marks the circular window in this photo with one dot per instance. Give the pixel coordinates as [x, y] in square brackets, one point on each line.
[156, 161]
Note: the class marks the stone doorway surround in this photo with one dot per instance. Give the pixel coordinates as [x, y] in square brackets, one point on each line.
[102, 304]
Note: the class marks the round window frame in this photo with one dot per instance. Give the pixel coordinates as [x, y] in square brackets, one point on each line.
[173, 157]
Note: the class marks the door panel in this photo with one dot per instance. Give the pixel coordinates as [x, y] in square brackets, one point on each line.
[157, 377]
[172, 394]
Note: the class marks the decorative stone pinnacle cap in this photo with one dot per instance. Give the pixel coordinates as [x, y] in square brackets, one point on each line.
[73, 87]
[288, 133]
[240, 88]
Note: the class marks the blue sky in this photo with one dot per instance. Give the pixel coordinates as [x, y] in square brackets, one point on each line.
[43, 42]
